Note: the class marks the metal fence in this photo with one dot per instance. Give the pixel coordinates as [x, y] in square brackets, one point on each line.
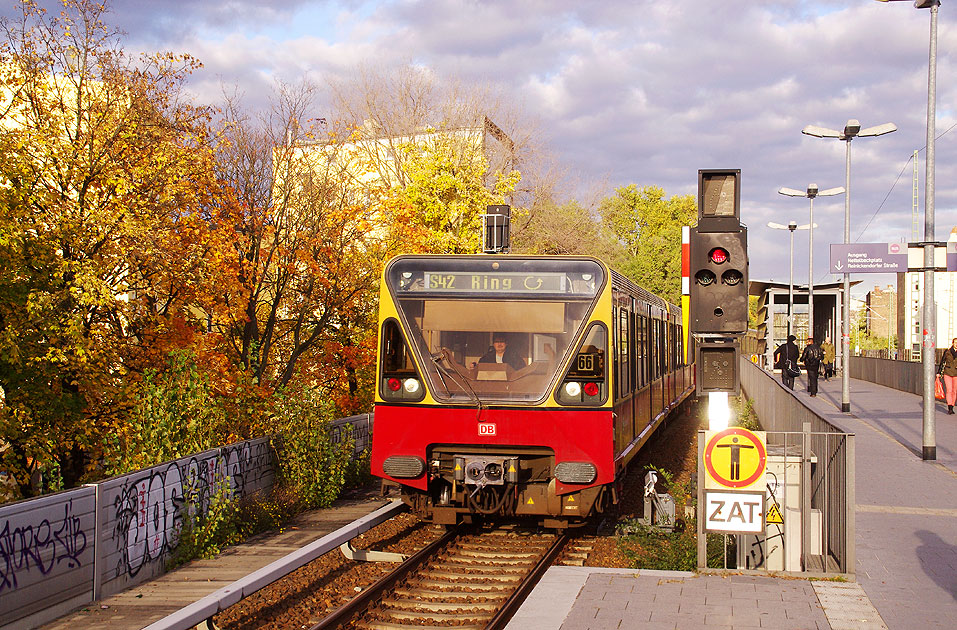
[810, 478]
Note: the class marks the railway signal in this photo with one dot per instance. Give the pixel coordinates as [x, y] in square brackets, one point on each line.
[718, 270]
[719, 281]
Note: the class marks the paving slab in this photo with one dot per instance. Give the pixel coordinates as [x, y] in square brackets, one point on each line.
[586, 598]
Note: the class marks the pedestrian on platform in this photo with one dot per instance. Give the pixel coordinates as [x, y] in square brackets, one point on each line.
[828, 349]
[786, 358]
[948, 367]
[811, 357]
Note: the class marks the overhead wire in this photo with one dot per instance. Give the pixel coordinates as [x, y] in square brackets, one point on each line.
[899, 175]
[883, 201]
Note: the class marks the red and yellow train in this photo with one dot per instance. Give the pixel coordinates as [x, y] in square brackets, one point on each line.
[519, 385]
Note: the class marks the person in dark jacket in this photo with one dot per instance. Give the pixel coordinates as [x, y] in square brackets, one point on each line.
[948, 367]
[811, 357]
[500, 353]
[786, 355]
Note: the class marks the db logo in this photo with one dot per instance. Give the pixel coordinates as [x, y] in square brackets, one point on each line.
[486, 428]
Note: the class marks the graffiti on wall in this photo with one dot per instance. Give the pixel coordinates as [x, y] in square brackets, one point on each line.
[151, 507]
[357, 428]
[43, 546]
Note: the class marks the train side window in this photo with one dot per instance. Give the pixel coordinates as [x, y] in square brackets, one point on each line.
[642, 351]
[624, 371]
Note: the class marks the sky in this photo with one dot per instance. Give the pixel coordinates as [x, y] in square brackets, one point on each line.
[636, 91]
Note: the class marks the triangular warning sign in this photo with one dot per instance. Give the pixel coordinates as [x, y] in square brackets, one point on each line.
[457, 467]
[511, 468]
[530, 502]
[774, 515]
[571, 499]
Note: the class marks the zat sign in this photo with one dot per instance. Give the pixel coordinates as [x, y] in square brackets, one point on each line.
[486, 428]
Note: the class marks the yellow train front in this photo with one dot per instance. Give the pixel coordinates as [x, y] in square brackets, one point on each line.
[513, 386]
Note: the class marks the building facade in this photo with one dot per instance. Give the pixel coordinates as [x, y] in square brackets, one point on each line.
[910, 303]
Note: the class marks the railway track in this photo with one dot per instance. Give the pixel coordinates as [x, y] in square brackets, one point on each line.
[470, 579]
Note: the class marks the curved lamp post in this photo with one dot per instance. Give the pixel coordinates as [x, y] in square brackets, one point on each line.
[811, 193]
[851, 130]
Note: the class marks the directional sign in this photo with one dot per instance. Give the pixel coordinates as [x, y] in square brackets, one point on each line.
[735, 459]
[868, 258]
[951, 255]
[734, 512]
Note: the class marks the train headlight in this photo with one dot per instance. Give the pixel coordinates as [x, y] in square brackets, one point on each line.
[575, 472]
[573, 389]
[411, 385]
[403, 466]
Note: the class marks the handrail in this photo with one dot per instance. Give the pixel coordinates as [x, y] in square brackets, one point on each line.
[203, 609]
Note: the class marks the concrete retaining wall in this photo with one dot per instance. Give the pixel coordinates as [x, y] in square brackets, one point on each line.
[67, 549]
[64, 550]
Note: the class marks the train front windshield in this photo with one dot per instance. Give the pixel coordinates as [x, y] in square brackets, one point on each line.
[493, 328]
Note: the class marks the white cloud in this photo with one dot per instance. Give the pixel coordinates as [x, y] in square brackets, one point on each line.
[636, 91]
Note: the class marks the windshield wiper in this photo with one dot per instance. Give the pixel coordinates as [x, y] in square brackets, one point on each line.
[461, 380]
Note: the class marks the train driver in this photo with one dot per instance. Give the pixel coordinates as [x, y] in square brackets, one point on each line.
[500, 353]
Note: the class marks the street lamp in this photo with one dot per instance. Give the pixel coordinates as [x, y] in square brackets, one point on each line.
[811, 193]
[929, 329]
[851, 130]
[790, 226]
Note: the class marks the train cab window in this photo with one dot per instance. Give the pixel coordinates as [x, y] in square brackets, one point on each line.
[585, 382]
[493, 328]
[400, 380]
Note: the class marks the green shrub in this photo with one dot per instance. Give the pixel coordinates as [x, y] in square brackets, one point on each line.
[649, 548]
[743, 410]
[308, 459]
[205, 534]
[174, 415]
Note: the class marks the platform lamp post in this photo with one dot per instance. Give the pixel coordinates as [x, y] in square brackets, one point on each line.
[811, 193]
[929, 329]
[851, 130]
[790, 226]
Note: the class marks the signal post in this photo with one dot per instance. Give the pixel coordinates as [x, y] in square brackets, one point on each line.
[718, 318]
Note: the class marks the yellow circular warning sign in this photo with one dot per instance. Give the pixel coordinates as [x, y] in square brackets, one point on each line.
[735, 458]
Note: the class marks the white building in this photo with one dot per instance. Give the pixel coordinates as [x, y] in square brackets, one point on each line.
[910, 301]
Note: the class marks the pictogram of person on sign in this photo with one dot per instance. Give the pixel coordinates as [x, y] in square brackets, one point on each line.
[735, 457]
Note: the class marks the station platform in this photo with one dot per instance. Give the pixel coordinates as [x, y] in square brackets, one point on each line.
[906, 535]
[141, 605]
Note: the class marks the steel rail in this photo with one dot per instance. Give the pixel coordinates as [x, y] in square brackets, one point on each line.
[373, 592]
[204, 609]
[521, 593]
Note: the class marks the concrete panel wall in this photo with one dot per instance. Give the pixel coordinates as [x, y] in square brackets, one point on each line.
[142, 513]
[906, 376]
[64, 550]
[47, 553]
[356, 427]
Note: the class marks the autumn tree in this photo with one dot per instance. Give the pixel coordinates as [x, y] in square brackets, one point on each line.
[304, 256]
[100, 168]
[647, 227]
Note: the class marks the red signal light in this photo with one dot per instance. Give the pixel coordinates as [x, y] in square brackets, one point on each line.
[394, 384]
[719, 255]
[591, 389]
